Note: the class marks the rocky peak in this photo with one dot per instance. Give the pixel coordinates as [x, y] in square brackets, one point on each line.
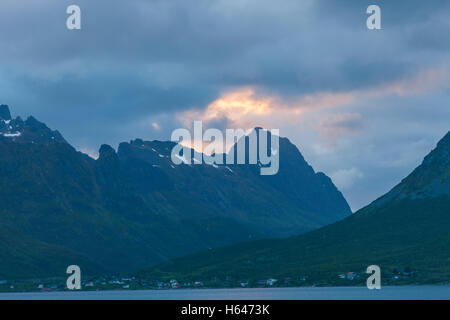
[29, 131]
[106, 151]
[4, 112]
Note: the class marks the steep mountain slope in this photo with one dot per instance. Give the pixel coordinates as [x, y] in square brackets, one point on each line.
[133, 208]
[409, 227]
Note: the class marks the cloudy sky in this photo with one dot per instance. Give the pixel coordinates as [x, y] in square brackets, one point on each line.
[364, 106]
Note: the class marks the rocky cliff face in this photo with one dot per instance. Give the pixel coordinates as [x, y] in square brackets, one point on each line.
[406, 228]
[134, 207]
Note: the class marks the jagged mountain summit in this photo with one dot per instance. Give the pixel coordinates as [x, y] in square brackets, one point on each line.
[5, 115]
[406, 229]
[28, 131]
[133, 208]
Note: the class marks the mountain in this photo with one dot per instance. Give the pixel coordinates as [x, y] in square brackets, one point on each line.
[134, 208]
[407, 228]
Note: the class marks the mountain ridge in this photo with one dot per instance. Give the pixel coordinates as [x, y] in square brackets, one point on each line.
[405, 228]
[133, 208]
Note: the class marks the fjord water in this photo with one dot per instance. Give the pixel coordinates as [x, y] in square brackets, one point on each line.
[321, 293]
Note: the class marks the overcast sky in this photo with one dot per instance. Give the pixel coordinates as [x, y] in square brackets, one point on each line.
[363, 106]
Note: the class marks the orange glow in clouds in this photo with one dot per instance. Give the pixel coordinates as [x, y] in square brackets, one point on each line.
[244, 108]
[237, 107]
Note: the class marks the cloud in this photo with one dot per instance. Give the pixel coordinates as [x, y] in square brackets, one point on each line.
[90, 152]
[251, 106]
[155, 125]
[345, 178]
[247, 107]
[426, 80]
[335, 126]
[306, 67]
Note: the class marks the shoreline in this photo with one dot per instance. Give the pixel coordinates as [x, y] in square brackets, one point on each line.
[406, 292]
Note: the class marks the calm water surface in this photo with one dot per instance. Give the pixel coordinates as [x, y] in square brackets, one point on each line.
[328, 293]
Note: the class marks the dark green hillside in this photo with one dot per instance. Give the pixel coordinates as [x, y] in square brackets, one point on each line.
[24, 257]
[409, 227]
[133, 208]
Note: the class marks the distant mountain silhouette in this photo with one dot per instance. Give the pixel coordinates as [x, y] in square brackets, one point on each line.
[133, 208]
[408, 228]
